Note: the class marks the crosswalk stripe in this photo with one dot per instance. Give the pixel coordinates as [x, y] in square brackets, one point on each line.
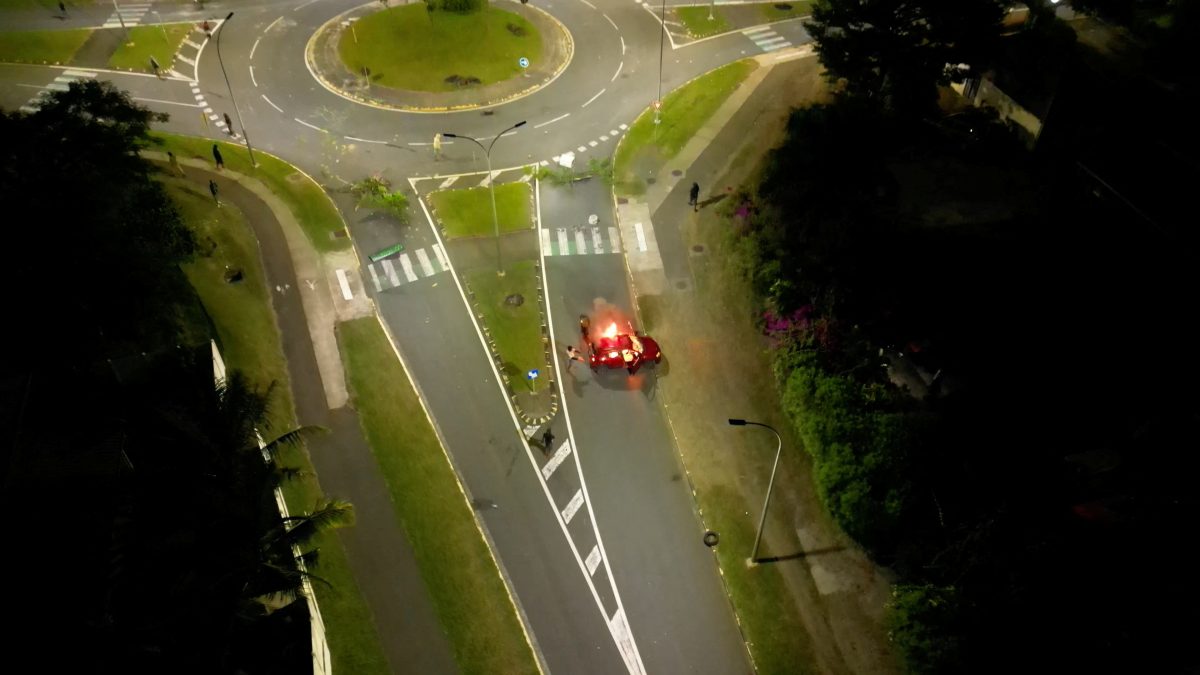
[546, 249]
[390, 269]
[55, 86]
[488, 178]
[563, 248]
[771, 48]
[28, 109]
[580, 243]
[524, 178]
[614, 240]
[760, 29]
[80, 73]
[448, 182]
[641, 236]
[111, 24]
[186, 60]
[441, 256]
[375, 278]
[408, 267]
[777, 38]
[426, 265]
[191, 44]
[597, 245]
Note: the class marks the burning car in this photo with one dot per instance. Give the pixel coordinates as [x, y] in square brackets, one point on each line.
[615, 349]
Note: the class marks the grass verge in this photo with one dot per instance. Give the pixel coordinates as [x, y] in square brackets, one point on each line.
[42, 46]
[243, 318]
[459, 572]
[697, 23]
[307, 201]
[408, 47]
[515, 329]
[468, 213]
[776, 11]
[646, 146]
[161, 42]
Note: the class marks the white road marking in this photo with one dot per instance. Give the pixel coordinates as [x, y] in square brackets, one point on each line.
[614, 23]
[560, 117]
[582, 148]
[771, 48]
[186, 60]
[297, 9]
[365, 140]
[573, 506]
[619, 627]
[763, 43]
[80, 73]
[597, 244]
[271, 104]
[613, 132]
[622, 45]
[199, 97]
[441, 256]
[559, 455]
[390, 270]
[310, 126]
[375, 278]
[268, 30]
[603, 138]
[593, 143]
[563, 247]
[641, 236]
[619, 67]
[761, 29]
[345, 284]
[155, 100]
[253, 48]
[588, 4]
[580, 243]
[193, 45]
[614, 239]
[426, 265]
[593, 560]
[251, 74]
[593, 98]
[448, 182]
[487, 180]
[623, 127]
[408, 267]
[546, 248]
[524, 178]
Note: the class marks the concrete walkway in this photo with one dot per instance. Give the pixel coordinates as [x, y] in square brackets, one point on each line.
[308, 303]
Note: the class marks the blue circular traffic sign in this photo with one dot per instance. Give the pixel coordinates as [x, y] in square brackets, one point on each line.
[523, 61]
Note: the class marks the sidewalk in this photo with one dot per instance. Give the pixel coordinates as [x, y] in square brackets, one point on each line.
[684, 298]
[309, 301]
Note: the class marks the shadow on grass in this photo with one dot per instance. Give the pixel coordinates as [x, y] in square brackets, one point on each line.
[799, 554]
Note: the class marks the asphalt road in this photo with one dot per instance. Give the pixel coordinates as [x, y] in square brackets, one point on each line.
[603, 549]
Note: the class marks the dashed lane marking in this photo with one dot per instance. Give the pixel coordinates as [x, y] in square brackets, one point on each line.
[559, 456]
[572, 507]
[593, 560]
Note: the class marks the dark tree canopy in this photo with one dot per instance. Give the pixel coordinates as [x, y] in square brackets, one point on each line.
[897, 52]
[89, 225]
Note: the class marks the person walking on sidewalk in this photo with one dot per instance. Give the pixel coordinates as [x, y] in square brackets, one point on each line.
[217, 157]
[212, 187]
[694, 197]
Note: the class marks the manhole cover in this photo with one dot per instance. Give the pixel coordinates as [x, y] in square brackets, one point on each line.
[339, 234]
[651, 181]
[516, 300]
[489, 113]
[622, 200]
[711, 538]
[698, 248]
[677, 173]
[683, 285]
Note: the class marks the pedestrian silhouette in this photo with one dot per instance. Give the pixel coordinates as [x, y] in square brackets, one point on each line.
[573, 355]
[694, 197]
[228, 124]
[174, 163]
[217, 157]
[155, 67]
[212, 187]
[62, 10]
[437, 146]
[547, 440]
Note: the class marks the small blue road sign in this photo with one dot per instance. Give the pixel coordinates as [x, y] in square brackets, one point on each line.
[523, 61]
[531, 375]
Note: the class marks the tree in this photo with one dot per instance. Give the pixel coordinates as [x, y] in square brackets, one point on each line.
[376, 192]
[91, 224]
[897, 52]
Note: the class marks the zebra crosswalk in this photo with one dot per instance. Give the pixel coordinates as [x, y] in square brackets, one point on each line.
[767, 39]
[130, 13]
[60, 83]
[393, 272]
[580, 241]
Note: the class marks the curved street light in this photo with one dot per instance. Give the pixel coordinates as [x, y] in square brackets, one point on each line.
[487, 152]
[770, 485]
[236, 110]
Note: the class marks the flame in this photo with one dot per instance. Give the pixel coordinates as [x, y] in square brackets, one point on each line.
[611, 331]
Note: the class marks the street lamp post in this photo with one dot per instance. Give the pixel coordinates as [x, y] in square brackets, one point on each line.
[233, 100]
[770, 484]
[487, 153]
[662, 40]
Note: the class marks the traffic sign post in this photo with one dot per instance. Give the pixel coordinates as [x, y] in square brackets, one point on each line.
[523, 62]
[530, 377]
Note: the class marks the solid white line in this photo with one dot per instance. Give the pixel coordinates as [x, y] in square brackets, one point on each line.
[614, 239]
[390, 270]
[619, 67]
[508, 133]
[297, 9]
[252, 76]
[622, 45]
[560, 117]
[559, 456]
[614, 23]
[155, 100]
[588, 4]
[268, 30]
[573, 506]
[593, 560]
[408, 268]
[593, 98]
[310, 126]
[365, 140]
[448, 182]
[441, 256]
[547, 249]
[271, 104]
[375, 277]
[345, 284]
[563, 248]
[253, 48]
[426, 264]
[80, 73]
[580, 243]
[641, 236]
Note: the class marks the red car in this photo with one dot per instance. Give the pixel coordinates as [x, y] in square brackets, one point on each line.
[628, 351]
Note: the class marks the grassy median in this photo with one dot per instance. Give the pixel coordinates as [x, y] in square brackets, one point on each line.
[42, 46]
[456, 564]
[516, 329]
[161, 42]
[244, 321]
[307, 200]
[697, 23]
[468, 213]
